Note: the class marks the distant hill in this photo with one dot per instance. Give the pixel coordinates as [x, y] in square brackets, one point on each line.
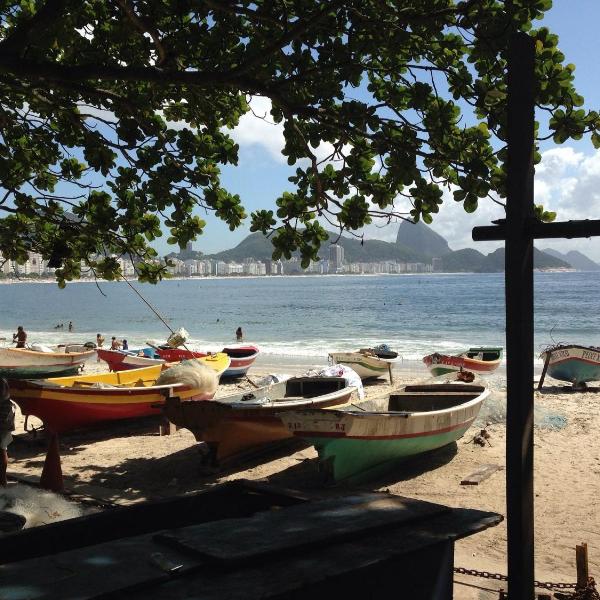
[422, 239]
[415, 243]
[466, 260]
[257, 246]
[576, 259]
[469, 260]
[494, 262]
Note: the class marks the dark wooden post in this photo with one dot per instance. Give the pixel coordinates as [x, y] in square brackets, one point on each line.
[519, 317]
[583, 571]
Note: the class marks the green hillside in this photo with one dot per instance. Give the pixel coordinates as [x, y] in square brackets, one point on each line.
[494, 262]
[257, 246]
[466, 260]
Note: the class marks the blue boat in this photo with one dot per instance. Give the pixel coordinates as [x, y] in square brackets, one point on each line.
[573, 363]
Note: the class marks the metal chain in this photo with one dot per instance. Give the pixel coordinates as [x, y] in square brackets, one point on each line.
[498, 576]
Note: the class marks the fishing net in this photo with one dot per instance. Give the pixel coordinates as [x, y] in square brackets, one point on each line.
[38, 507]
[191, 373]
[493, 411]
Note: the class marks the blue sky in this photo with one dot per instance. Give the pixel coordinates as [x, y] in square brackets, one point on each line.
[568, 180]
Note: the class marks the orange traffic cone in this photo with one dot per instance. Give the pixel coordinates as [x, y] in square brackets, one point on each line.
[52, 478]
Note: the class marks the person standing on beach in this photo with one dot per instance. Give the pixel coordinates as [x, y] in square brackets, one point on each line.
[7, 426]
[99, 340]
[239, 336]
[125, 345]
[114, 343]
[20, 337]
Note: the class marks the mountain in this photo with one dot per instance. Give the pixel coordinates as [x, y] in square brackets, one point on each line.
[422, 239]
[576, 259]
[469, 260]
[257, 246]
[494, 262]
[466, 260]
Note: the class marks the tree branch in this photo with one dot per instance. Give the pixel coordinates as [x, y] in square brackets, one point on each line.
[31, 30]
[142, 27]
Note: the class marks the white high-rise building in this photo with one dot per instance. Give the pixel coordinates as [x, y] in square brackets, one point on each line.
[336, 258]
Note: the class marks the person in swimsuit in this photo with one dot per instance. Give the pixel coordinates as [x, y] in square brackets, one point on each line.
[20, 337]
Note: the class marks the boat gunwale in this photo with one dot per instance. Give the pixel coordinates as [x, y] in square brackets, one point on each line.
[405, 414]
[37, 353]
[275, 404]
[429, 361]
[567, 346]
[362, 355]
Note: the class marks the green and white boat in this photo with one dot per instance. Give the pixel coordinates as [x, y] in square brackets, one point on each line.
[365, 362]
[356, 444]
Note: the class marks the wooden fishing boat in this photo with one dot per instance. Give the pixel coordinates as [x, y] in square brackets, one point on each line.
[234, 425]
[120, 360]
[480, 360]
[365, 362]
[355, 444]
[67, 403]
[242, 357]
[19, 363]
[577, 364]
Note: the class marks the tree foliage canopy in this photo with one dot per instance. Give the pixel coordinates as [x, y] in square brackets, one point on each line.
[116, 114]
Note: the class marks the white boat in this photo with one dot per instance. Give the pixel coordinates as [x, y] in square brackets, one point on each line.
[365, 362]
[353, 443]
[23, 363]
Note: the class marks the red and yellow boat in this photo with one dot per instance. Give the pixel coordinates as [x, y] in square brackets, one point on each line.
[242, 357]
[67, 403]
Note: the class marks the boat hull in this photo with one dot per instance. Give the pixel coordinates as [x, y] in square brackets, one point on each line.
[232, 430]
[121, 361]
[242, 358]
[575, 364]
[16, 363]
[442, 364]
[358, 459]
[355, 445]
[64, 404]
[365, 366]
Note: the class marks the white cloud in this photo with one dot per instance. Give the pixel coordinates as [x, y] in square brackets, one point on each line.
[556, 161]
[256, 128]
[567, 181]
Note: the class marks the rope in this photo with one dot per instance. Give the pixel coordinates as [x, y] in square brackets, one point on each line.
[151, 308]
[147, 304]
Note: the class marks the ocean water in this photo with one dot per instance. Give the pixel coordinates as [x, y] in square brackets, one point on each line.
[307, 317]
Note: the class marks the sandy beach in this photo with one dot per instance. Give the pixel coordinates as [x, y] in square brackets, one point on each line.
[130, 462]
